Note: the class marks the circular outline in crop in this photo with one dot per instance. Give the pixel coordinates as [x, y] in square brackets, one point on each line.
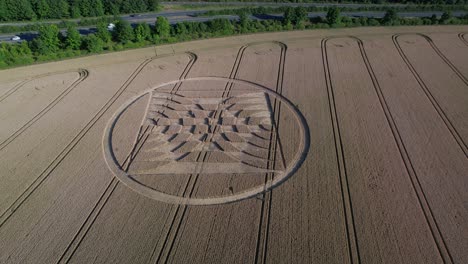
[126, 179]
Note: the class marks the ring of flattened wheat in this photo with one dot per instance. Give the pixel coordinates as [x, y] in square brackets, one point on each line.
[291, 168]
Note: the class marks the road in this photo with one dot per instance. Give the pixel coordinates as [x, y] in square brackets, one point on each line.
[195, 12]
[190, 16]
[274, 4]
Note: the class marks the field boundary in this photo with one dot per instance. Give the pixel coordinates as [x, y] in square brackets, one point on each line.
[415, 183]
[428, 93]
[86, 226]
[83, 75]
[353, 246]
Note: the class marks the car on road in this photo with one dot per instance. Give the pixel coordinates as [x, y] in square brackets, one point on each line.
[15, 38]
[135, 15]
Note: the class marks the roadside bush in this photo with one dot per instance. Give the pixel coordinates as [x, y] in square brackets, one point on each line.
[73, 38]
[51, 45]
[48, 42]
[123, 32]
[93, 44]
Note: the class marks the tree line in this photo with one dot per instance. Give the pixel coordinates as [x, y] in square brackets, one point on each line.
[52, 44]
[265, 10]
[20, 10]
[432, 2]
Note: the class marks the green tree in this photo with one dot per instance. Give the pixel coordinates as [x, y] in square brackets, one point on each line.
[434, 20]
[221, 26]
[300, 15]
[75, 10]
[244, 23]
[41, 8]
[289, 15]
[180, 29]
[73, 39]
[48, 41]
[123, 32]
[138, 6]
[103, 33]
[93, 44]
[98, 8]
[390, 18]
[58, 9]
[19, 10]
[153, 5]
[333, 16]
[162, 27]
[15, 54]
[142, 32]
[3, 11]
[86, 7]
[445, 17]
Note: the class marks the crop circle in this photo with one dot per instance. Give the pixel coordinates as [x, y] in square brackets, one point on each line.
[253, 97]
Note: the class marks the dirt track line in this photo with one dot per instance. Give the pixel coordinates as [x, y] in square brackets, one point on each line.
[461, 36]
[86, 226]
[423, 203]
[15, 88]
[83, 76]
[180, 212]
[22, 83]
[226, 92]
[51, 167]
[164, 253]
[267, 197]
[88, 223]
[431, 98]
[441, 55]
[353, 245]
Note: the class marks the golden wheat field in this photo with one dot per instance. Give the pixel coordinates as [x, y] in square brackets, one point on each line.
[337, 146]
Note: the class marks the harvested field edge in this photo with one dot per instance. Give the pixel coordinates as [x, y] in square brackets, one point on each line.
[51, 167]
[416, 185]
[83, 75]
[461, 36]
[426, 90]
[75, 243]
[267, 197]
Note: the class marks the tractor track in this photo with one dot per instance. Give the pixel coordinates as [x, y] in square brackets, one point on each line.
[461, 36]
[70, 146]
[412, 175]
[177, 222]
[430, 96]
[267, 197]
[96, 210]
[24, 82]
[83, 76]
[353, 246]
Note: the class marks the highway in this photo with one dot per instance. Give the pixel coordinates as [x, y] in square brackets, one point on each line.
[191, 16]
[275, 4]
